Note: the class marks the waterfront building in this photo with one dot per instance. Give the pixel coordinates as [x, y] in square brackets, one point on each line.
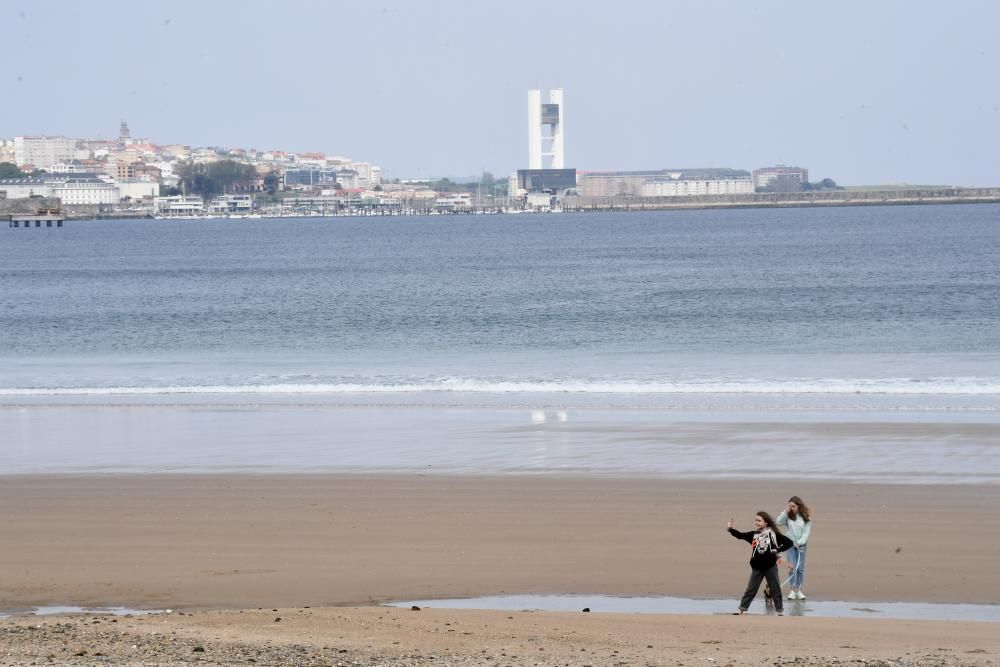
[224, 204]
[85, 189]
[679, 184]
[552, 181]
[453, 202]
[664, 182]
[70, 188]
[143, 187]
[780, 178]
[178, 205]
[23, 188]
[311, 177]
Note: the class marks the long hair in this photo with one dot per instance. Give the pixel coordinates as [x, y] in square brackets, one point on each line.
[803, 510]
[768, 520]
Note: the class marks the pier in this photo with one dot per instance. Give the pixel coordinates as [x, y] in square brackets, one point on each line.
[50, 217]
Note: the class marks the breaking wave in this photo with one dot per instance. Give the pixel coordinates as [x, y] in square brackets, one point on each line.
[890, 386]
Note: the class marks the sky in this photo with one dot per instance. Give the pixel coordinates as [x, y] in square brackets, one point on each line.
[861, 92]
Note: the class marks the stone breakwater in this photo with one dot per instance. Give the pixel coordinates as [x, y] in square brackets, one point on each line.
[788, 199]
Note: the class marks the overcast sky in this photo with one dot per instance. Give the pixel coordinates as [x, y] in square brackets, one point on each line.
[862, 92]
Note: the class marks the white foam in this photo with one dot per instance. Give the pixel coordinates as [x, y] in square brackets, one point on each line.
[884, 386]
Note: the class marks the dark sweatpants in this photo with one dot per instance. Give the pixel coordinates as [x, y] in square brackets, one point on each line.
[757, 576]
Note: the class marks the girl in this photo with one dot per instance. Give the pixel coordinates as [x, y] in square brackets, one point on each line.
[765, 545]
[797, 523]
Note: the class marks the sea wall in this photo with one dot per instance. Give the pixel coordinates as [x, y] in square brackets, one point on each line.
[788, 199]
[25, 206]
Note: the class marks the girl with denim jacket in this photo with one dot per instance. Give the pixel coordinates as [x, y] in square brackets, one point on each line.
[797, 522]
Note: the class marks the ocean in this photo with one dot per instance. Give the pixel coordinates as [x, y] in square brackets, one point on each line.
[612, 343]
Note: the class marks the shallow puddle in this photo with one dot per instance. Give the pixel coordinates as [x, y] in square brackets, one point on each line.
[60, 610]
[671, 605]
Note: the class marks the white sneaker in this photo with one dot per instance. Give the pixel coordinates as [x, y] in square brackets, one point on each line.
[792, 595]
[800, 596]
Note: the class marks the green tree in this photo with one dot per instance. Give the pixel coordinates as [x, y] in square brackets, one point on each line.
[271, 182]
[10, 170]
[216, 177]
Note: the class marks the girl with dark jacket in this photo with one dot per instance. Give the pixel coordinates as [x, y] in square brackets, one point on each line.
[765, 545]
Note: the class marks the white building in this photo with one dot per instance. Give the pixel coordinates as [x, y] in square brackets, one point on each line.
[178, 205]
[22, 188]
[93, 191]
[781, 177]
[665, 182]
[223, 204]
[368, 175]
[137, 188]
[540, 117]
[678, 186]
[63, 168]
[70, 188]
[43, 152]
[454, 201]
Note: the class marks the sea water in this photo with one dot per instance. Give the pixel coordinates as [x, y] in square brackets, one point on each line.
[621, 343]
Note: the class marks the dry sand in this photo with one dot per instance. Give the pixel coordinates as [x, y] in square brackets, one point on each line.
[282, 542]
[388, 636]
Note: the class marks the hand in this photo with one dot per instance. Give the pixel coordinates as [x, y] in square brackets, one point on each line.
[730, 524]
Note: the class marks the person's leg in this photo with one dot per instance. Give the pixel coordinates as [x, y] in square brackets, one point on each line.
[772, 580]
[792, 556]
[756, 576]
[800, 570]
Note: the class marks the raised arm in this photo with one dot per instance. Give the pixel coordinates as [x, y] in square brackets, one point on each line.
[741, 536]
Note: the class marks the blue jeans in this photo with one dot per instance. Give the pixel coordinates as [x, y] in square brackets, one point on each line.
[796, 557]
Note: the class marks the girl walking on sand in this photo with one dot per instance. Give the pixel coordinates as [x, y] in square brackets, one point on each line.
[797, 523]
[765, 545]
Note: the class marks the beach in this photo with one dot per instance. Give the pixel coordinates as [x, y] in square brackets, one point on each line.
[378, 636]
[223, 551]
[208, 541]
[240, 426]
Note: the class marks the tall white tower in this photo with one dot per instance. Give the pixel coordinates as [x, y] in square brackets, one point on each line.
[551, 116]
[534, 129]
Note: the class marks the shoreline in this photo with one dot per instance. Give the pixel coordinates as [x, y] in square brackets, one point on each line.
[577, 204]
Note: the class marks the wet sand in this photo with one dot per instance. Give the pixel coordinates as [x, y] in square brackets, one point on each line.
[206, 541]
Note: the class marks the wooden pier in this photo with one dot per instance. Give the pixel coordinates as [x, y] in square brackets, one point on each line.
[50, 217]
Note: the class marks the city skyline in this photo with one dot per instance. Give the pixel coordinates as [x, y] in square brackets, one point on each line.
[886, 93]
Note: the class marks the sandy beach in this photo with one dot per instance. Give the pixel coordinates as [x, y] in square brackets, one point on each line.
[205, 541]
[224, 551]
[381, 636]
